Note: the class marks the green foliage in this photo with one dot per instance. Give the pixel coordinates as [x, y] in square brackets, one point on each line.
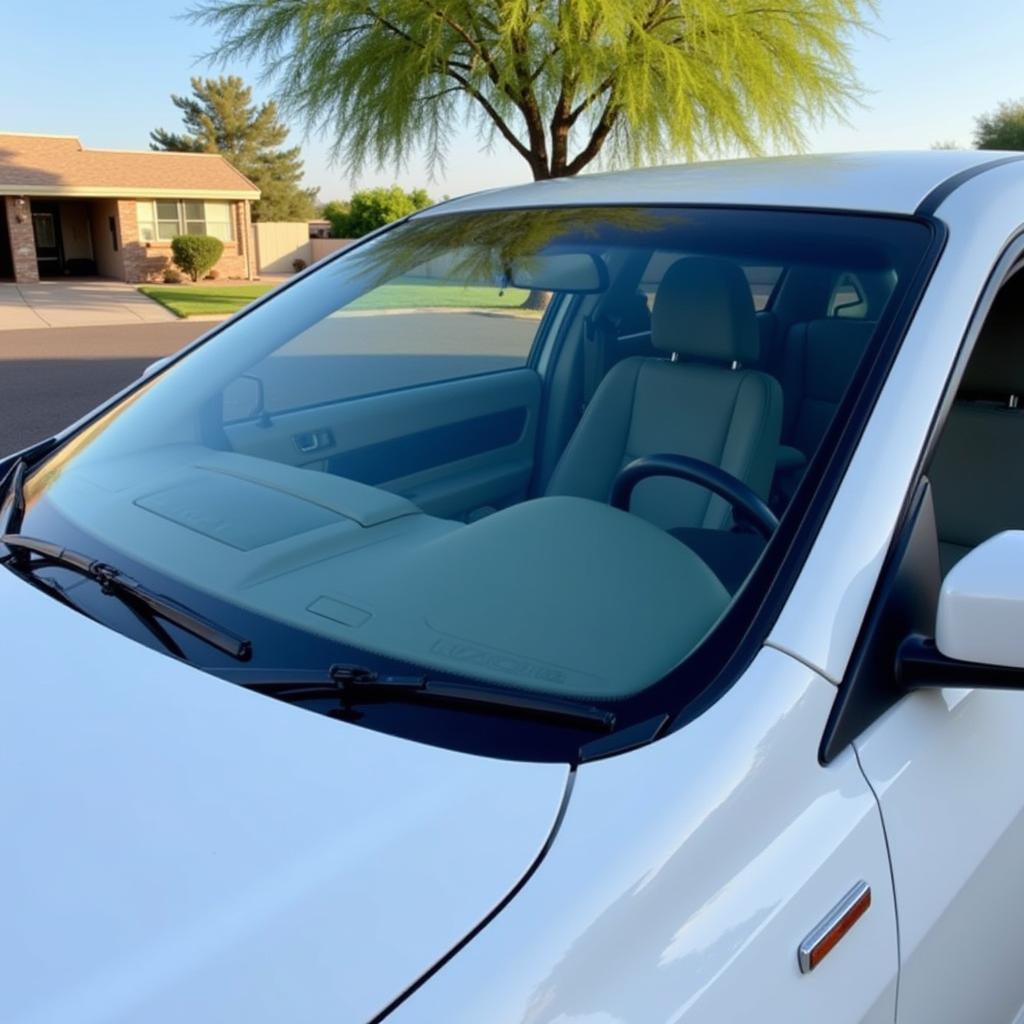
[1002, 129]
[372, 208]
[336, 211]
[220, 117]
[196, 254]
[561, 81]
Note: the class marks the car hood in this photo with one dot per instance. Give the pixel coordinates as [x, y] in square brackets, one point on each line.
[178, 849]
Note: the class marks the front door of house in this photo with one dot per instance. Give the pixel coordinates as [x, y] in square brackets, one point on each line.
[46, 228]
[6, 256]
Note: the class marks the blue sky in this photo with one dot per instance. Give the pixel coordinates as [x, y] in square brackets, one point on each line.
[104, 72]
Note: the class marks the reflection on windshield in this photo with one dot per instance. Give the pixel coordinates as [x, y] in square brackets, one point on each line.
[491, 246]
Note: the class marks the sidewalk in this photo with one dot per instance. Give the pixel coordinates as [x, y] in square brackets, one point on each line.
[81, 302]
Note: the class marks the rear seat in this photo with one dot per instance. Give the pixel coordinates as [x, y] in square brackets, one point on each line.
[817, 366]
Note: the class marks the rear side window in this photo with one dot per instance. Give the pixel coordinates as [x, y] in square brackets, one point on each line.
[762, 279]
[848, 301]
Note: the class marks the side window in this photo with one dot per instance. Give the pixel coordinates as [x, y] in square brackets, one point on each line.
[413, 330]
[977, 472]
[762, 279]
[848, 300]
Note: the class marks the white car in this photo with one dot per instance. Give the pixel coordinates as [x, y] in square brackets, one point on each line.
[593, 602]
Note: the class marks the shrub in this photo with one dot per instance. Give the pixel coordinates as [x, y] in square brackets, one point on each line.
[373, 208]
[172, 276]
[196, 254]
[298, 264]
[213, 275]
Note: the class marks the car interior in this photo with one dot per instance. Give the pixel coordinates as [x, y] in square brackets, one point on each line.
[976, 472]
[453, 506]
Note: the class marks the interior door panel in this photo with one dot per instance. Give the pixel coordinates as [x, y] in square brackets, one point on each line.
[452, 448]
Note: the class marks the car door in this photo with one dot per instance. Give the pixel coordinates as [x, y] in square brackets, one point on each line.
[438, 405]
[944, 763]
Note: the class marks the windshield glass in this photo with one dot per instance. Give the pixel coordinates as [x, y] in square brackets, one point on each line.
[410, 458]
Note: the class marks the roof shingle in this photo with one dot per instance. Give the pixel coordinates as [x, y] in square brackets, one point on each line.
[59, 165]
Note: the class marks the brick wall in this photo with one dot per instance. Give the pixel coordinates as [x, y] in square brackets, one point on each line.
[23, 243]
[147, 261]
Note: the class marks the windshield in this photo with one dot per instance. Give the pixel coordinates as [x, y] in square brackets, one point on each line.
[411, 458]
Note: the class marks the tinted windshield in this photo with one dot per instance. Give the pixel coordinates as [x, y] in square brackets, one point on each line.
[406, 459]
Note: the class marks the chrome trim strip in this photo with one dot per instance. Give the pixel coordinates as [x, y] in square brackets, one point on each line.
[833, 926]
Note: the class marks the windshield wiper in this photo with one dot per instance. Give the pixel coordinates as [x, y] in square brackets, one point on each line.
[113, 581]
[14, 485]
[353, 684]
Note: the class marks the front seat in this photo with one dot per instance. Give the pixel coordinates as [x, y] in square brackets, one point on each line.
[697, 400]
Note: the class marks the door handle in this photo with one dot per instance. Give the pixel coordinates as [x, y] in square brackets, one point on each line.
[313, 440]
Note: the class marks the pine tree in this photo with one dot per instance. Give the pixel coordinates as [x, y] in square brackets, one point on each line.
[220, 117]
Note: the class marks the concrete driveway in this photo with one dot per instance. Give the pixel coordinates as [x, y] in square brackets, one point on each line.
[81, 302]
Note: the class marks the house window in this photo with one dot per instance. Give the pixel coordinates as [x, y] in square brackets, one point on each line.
[162, 219]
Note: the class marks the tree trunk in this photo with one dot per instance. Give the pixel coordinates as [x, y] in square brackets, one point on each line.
[536, 300]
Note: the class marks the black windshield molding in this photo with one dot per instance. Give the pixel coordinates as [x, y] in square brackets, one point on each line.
[939, 194]
[904, 603]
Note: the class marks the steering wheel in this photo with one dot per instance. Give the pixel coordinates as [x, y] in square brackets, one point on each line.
[753, 508]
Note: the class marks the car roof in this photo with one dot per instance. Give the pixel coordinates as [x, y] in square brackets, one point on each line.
[895, 182]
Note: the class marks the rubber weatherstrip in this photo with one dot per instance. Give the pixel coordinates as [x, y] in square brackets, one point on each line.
[939, 194]
[495, 911]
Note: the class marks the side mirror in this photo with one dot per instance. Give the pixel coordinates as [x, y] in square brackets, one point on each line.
[244, 399]
[979, 626]
[981, 605]
[155, 367]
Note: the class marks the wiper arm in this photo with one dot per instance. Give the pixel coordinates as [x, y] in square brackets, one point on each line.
[353, 684]
[113, 581]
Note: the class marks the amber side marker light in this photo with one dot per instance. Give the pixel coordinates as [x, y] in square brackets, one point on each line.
[839, 920]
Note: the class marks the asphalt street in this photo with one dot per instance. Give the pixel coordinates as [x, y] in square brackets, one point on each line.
[50, 377]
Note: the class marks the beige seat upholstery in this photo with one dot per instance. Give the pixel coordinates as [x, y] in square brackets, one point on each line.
[977, 472]
[820, 360]
[701, 402]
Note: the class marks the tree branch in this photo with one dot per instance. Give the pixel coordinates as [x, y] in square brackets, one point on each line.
[605, 123]
[493, 114]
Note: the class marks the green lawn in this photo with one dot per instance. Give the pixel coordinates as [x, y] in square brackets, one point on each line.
[187, 300]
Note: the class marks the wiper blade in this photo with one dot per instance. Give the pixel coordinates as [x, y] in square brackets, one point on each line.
[14, 485]
[113, 581]
[353, 684]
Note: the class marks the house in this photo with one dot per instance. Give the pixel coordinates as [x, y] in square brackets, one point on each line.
[68, 210]
[319, 229]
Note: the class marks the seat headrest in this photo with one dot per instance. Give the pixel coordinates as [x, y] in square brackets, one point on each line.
[703, 309]
[996, 366]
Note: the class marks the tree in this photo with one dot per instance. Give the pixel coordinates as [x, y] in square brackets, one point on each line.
[336, 211]
[372, 208]
[220, 117]
[1002, 129]
[560, 81]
